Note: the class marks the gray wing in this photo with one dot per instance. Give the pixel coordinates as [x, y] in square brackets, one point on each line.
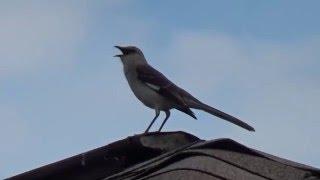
[159, 83]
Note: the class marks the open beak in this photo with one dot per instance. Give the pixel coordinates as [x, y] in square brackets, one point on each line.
[121, 49]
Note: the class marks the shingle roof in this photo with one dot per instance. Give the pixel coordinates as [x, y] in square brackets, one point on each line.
[173, 155]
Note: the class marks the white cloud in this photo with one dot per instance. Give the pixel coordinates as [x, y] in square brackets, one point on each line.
[274, 85]
[13, 129]
[38, 35]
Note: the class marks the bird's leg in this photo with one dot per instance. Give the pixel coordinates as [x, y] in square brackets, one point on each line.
[165, 120]
[153, 120]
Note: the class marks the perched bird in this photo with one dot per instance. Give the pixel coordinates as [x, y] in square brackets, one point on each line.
[154, 90]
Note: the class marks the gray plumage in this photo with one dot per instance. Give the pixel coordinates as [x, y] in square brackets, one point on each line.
[154, 90]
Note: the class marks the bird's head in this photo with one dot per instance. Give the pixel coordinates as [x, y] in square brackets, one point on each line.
[130, 55]
[128, 51]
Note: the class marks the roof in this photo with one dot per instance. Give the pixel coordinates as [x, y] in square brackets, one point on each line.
[173, 155]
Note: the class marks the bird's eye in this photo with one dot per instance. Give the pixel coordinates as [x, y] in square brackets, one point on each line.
[130, 51]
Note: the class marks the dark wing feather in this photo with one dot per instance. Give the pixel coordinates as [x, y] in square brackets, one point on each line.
[159, 83]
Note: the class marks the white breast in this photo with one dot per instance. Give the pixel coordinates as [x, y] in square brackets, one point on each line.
[144, 93]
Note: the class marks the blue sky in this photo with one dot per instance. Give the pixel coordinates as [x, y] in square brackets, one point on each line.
[63, 93]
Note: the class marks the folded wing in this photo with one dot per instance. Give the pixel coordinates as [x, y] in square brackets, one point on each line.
[160, 84]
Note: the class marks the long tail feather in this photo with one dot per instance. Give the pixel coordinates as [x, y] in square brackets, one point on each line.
[222, 115]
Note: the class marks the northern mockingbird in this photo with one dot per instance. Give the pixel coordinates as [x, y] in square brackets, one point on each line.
[154, 90]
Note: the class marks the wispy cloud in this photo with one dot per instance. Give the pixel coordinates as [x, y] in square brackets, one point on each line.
[38, 35]
[271, 84]
[13, 132]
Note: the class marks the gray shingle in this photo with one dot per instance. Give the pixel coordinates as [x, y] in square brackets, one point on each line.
[173, 155]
